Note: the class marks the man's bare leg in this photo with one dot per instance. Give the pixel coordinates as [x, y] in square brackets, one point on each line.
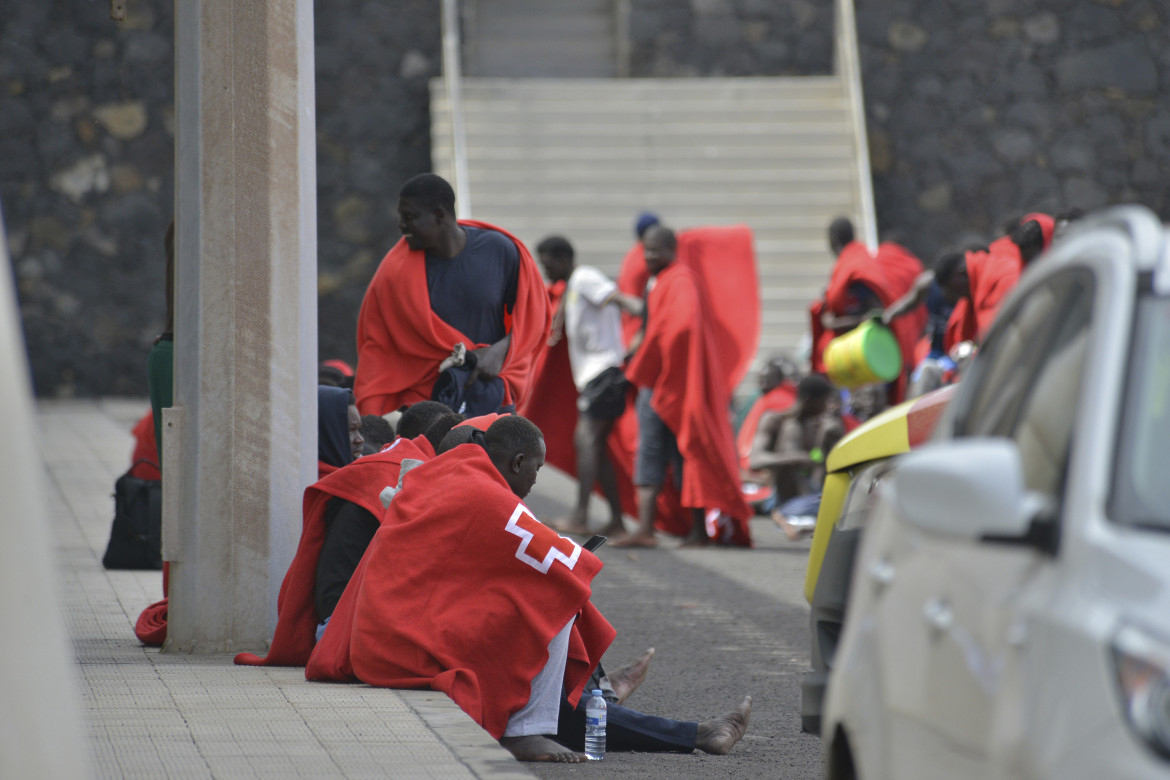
[719, 735]
[643, 535]
[609, 488]
[538, 748]
[698, 533]
[629, 677]
[589, 440]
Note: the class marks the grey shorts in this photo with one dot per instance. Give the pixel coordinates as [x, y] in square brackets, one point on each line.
[657, 447]
[604, 398]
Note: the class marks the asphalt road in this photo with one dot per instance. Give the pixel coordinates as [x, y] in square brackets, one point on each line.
[725, 622]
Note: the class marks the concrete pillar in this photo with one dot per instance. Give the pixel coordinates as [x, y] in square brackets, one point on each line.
[240, 443]
[40, 720]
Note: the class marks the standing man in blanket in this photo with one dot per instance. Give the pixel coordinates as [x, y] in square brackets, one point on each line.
[682, 405]
[457, 312]
[589, 319]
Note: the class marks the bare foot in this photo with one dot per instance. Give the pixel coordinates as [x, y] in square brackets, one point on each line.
[614, 529]
[629, 677]
[793, 532]
[538, 748]
[569, 525]
[636, 539]
[719, 735]
[695, 539]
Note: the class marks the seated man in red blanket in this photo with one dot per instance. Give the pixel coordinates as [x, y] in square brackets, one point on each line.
[449, 288]
[501, 620]
[682, 404]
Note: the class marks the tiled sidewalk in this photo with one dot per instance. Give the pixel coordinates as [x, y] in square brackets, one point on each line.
[155, 715]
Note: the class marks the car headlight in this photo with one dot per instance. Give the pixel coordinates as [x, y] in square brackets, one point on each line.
[862, 492]
[1142, 663]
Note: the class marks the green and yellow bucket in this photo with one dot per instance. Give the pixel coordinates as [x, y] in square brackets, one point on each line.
[867, 354]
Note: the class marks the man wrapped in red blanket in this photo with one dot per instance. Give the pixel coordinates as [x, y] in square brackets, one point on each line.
[862, 283]
[447, 283]
[683, 404]
[463, 591]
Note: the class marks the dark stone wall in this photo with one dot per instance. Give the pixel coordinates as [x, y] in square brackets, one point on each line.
[86, 184]
[977, 110]
[669, 38]
[87, 179]
[981, 111]
[374, 61]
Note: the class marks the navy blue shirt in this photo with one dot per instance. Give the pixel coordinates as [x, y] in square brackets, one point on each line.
[472, 290]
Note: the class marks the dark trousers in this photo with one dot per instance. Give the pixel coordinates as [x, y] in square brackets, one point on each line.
[625, 729]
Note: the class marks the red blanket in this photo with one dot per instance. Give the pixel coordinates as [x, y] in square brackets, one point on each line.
[401, 341]
[679, 361]
[461, 591]
[632, 280]
[853, 254]
[725, 260]
[992, 275]
[151, 626]
[144, 460]
[360, 482]
[890, 273]
[1046, 222]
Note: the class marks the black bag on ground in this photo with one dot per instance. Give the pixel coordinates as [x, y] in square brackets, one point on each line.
[136, 536]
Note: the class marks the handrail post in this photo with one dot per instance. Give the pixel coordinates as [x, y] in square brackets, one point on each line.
[453, 81]
[849, 71]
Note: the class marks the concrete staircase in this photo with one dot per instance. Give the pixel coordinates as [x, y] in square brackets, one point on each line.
[581, 157]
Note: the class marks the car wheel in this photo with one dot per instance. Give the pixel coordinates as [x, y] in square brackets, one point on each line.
[840, 764]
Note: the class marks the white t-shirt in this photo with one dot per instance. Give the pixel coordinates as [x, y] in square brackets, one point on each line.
[593, 328]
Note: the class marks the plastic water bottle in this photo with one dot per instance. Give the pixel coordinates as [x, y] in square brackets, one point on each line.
[595, 727]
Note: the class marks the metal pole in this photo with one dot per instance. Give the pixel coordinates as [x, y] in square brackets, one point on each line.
[452, 79]
[849, 71]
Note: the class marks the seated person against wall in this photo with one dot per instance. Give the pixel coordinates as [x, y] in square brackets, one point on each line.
[791, 447]
[339, 442]
[339, 435]
[341, 512]
[503, 625]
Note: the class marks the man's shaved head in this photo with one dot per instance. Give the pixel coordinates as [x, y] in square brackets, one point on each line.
[516, 447]
[441, 426]
[840, 234]
[429, 191]
[419, 416]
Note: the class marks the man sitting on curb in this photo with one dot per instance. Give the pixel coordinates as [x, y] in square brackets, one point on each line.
[501, 620]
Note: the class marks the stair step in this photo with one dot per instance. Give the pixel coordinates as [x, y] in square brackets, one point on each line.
[647, 88]
[765, 151]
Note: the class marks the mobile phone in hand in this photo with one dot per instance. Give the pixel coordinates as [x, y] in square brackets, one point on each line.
[594, 542]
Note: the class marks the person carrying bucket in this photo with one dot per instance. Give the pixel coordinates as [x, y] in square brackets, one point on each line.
[862, 285]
